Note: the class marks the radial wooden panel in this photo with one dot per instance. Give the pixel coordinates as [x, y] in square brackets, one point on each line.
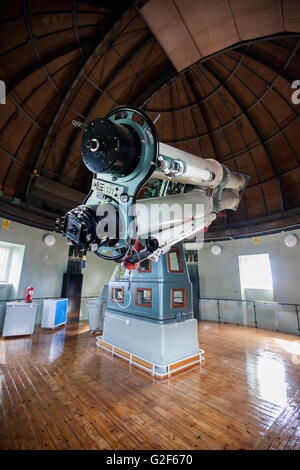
[165, 21]
[255, 19]
[246, 116]
[234, 106]
[38, 63]
[59, 391]
[211, 24]
[203, 28]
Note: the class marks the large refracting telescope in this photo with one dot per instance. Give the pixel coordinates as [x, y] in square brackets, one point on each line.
[115, 221]
[146, 198]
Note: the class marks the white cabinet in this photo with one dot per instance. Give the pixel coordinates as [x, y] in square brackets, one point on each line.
[19, 319]
[54, 312]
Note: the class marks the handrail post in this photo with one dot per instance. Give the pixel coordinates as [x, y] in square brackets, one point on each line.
[297, 314]
[254, 311]
[219, 316]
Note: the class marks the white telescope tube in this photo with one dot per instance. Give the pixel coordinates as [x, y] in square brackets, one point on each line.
[174, 235]
[197, 170]
[159, 213]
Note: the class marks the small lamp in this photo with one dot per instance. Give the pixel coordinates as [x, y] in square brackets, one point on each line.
[49, 239]
[290, 240]
[216, 250]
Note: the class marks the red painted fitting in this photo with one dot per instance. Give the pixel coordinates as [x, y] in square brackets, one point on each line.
[29, 294]
[128, 265]
[136, 247]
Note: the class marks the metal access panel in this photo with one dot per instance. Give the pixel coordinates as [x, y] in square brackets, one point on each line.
[159, 291]
[19, 319]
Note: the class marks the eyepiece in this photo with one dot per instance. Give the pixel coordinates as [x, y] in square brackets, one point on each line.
[152, 244]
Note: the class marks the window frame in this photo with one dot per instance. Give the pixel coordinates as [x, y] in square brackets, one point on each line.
[136, 297]
[181, 266]
[184, 298]
[244, 271]
[112, 297]
[8, 263]
[145, 270]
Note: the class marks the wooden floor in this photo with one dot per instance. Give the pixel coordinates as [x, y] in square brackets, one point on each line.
[58, 391]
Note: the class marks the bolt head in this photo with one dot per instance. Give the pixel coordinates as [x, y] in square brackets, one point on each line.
[124, 197]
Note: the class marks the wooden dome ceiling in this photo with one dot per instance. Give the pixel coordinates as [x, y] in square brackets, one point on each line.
[65, 60]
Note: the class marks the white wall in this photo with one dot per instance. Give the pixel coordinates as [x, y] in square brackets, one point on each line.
[96, 274]
[43, 266]
[219, 275]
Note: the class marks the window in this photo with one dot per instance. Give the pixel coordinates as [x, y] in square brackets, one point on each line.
[255, 272]
[144, 266]
[4, 263]
[11, 260]
[178, 298]
[175, 263]
[143, 297]
[117, 294]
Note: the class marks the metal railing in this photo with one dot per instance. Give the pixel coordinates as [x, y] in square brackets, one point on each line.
[276, 316]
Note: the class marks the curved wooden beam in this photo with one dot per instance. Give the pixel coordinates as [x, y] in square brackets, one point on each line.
[66, 97]
[137, 50]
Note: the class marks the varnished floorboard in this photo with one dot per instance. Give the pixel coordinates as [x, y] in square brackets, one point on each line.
[59, 391]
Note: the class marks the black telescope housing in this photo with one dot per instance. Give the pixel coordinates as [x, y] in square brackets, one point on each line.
[79, 225]
[108, 147]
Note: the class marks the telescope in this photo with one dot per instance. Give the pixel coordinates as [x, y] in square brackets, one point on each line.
[147, 198]
[115, 222]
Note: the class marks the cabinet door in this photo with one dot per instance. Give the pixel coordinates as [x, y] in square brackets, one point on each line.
[60, 312]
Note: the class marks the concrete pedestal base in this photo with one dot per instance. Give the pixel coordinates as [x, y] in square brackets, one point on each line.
[162, 346]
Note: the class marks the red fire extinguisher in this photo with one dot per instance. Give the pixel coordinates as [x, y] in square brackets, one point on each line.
[29, 294]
